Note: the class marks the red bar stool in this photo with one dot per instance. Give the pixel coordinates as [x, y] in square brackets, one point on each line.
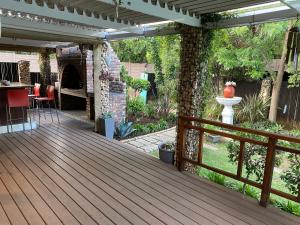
[49, 99]
[35, 94]
[17, 98]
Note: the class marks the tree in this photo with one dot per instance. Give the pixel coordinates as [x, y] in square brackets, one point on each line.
[244, 52]
[278, 81]
[132, 50]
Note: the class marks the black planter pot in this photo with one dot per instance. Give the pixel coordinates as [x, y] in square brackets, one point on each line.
[106, 127]
[165, 155]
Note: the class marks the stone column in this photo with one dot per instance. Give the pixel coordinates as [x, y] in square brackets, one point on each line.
[193, 77]
[45, 68]
[24, 72]
[101, 85]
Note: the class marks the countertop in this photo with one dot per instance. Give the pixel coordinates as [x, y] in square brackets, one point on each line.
[14, 85]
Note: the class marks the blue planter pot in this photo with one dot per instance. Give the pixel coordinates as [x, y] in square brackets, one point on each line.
[106, 127]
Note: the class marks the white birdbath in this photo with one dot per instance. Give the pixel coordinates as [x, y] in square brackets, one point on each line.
[227, 113]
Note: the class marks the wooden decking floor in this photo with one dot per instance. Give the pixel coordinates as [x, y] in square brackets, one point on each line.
[66, 174]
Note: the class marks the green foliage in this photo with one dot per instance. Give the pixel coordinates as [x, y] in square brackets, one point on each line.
[151, 127]
[123, 73]
[107, 115]
[124, 130]
[131, 50]
[167, 96]
[150, 110]
[244, 51]
[216, 178]
[135, 106]
[252, 109]
[291, 176]
[156, 60]
[288, 207]
[254, 155]
[249, 191]
[213, 109]
[138, 85]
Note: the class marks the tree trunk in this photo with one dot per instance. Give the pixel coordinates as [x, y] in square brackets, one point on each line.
[193, 78]
[265, 89]
[279, 77]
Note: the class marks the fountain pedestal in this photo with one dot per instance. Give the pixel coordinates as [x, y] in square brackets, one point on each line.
[227, 113]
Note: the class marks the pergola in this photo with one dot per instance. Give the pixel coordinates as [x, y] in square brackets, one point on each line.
[36, 25]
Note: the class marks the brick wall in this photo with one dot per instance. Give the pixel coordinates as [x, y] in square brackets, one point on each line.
[117, 100]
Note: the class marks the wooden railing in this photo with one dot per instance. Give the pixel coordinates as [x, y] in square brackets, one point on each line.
[191, 123]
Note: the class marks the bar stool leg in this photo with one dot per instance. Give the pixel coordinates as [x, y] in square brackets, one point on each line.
[23, 117]
[49, 106]
[9, 112]
[38, 108]
[56, 111]
[42, 106]
[29, 114]
[7, 118]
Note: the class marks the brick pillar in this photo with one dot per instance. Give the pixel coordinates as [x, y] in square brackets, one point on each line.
[101, 86]
[192, 79]
[24, 72]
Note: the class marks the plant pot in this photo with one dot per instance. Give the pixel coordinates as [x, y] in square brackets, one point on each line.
[165, 155]
[213, 138]
[106, 127]
[229, 91]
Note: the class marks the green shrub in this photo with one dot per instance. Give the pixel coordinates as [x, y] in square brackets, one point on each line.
[288, 206]
[150, 127]
[213, 109]
[150, 110]
[252, 109]
[291, 176]
[124, 130]
[254, 155]
[135, 106]
[216, 178]
[249, 191]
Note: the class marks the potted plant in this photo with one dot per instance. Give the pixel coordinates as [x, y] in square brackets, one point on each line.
[229, 90]
[166, 152]
[124, 130]
[106, 125]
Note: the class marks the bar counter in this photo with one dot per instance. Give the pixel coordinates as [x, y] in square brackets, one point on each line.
[16, 112]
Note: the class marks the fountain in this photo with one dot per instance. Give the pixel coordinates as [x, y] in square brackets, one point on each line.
[227, 113]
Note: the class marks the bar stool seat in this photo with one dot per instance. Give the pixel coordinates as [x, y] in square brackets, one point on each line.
[17, 98]
[49, 98]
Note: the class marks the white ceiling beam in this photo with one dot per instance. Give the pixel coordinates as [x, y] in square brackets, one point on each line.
[295, 4]
[255, 19]
[157, 10]
[72, 17]
[58, 29]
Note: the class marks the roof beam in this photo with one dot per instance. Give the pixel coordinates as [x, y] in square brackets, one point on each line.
[255, 19]
[157, 10]
[59, 29]
[295, 4]
[65, 15]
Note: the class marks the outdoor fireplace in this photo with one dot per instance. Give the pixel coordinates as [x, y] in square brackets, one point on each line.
[73, 79]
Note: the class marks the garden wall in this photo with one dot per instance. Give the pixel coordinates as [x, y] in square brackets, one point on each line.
[289, 102]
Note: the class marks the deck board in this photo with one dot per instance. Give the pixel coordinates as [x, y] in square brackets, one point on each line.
[67, 174]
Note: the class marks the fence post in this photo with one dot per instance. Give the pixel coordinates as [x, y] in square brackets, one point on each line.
[180, 144]
[268, 173]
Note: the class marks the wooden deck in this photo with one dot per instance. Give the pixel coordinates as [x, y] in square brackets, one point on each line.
[66, 174]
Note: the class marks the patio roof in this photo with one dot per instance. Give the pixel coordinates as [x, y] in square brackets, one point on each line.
[87, 21]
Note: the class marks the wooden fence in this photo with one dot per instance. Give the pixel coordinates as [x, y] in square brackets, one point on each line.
[191, 123]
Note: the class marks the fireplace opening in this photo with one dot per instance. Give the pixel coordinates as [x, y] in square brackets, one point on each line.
[71, 78]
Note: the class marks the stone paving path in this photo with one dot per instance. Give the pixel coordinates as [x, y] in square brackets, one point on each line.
[149, 142]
